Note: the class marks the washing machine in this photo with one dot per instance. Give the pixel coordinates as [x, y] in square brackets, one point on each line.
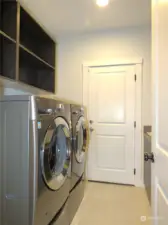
[36, 153]
[62, 217]
[79, 147]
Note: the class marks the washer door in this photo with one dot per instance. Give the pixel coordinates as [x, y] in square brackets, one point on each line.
[55, 154]
[80, 139]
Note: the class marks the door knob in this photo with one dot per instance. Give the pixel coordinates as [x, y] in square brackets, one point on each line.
[149, 156]
[91, 129]
[91, 121]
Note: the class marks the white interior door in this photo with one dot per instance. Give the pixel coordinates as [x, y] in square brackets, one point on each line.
[111, 98]
[160, 109]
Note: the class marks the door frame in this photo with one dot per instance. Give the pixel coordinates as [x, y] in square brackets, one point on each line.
[138, 63]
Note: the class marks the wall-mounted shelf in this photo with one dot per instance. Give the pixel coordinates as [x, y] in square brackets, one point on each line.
[36, 56]
[33, 37]
[8, 22]
[7, 56]
[34, 72]
[27, 53]
[7, 36]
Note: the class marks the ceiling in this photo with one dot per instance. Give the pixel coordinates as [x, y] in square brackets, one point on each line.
[62, 17]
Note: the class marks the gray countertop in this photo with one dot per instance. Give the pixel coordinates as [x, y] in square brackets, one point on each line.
[149, 133]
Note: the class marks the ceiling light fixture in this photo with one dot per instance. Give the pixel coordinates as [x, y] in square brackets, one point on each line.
[102, 3]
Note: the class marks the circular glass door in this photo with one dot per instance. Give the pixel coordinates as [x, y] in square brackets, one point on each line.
[80, 139]
[55, 154]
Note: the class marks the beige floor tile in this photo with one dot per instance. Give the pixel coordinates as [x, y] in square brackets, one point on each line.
[109, 204]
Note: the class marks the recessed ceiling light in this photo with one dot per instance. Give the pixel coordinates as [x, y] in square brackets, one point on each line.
[102, 3]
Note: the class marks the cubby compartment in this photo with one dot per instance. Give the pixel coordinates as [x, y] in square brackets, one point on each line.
[8, 17]
[7, 57]
[34, 38]
[34, 72]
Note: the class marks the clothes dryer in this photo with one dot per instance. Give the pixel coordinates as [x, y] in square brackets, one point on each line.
[79, 147]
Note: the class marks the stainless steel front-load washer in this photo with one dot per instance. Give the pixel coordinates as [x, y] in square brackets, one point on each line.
[79, 145]
[36, 153]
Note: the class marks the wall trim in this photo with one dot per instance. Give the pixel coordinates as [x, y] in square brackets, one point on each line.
[114, 61]
[138, 63]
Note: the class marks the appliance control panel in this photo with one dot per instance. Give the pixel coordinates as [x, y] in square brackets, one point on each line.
[45, 111]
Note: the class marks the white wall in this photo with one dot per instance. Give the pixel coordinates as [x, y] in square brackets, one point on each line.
[73, 51]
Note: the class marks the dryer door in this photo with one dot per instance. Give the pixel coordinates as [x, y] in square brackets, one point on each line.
[80, 139]
[55, 154]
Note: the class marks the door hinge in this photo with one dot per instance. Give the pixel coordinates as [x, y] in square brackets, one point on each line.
[134, 171]
[135, 124]
[135, 77]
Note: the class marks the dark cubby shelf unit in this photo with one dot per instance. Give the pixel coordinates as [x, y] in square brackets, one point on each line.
[34, 72]
[8, 18]
[27, 53]
[7, 57]
[34, 38]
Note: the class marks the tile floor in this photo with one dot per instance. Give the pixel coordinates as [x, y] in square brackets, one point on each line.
[109, 204]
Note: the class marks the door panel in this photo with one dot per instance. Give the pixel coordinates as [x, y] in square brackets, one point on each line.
[113, 144]
[160, 118]
[160, 199]
[161, 213]
[111, 107]
[162, 162]
[112, 101]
